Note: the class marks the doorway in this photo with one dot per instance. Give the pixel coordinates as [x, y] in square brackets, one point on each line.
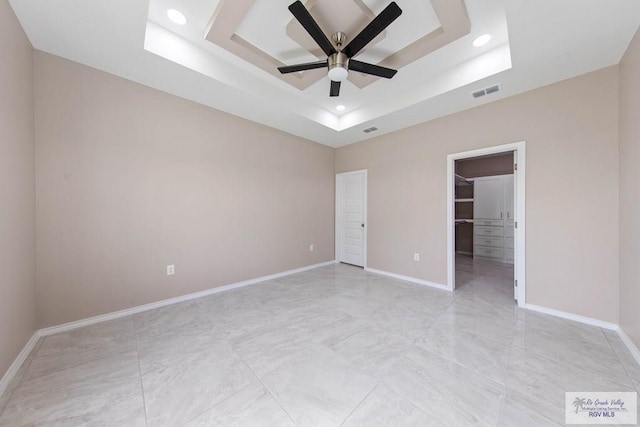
[351, 218]
[499, 234]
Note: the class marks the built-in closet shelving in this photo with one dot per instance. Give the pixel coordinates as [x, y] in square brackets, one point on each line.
[461, 181]
[493, 211]
[464, 189]
[464, 198]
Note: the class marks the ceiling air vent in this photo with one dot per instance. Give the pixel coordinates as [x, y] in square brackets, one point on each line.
[486, 91]
[369, 130]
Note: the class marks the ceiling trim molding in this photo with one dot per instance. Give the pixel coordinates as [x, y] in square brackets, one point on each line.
[452, 15]
[454, 24]
[221, 31]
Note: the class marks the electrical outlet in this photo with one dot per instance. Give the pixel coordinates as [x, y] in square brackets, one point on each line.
[416, 256]
[311, 247]
[171, 270]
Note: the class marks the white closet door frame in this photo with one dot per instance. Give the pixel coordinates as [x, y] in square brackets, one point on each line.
[338, 214]
[519, 204]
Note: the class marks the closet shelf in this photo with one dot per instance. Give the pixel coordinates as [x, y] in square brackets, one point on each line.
[463, 221]
[464, 200]
[461, 180]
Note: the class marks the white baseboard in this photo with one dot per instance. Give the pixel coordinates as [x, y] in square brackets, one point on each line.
[407, 278]
[570, 316]
[635, 352]
[17, 363]
[146, 307]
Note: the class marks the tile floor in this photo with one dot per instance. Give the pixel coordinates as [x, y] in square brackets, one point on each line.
[328, 347]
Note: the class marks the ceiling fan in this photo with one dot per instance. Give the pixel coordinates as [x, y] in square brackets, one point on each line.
[340, 60]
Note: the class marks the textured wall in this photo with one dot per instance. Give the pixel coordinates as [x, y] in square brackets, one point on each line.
[485, 166]
[571, 130]
[629, 193]
[130, 180]
[17, 189]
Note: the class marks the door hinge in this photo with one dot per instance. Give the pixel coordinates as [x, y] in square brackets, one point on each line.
[516, 283]
[515, 224]
[515, 166]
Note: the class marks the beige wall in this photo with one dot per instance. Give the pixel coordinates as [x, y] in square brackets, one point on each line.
[17, 193]
[485, 166]
[629, 194]
[130, 179]
[572, 187]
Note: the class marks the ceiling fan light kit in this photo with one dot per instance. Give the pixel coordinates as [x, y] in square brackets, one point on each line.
[339, 61]
[338, 65]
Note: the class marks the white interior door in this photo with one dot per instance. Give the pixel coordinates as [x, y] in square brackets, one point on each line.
[350, 217]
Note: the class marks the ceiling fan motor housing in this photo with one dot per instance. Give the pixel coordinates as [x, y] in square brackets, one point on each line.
[339, 38]
[338, 64]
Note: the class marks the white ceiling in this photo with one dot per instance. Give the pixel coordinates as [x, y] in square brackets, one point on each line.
[534, 43]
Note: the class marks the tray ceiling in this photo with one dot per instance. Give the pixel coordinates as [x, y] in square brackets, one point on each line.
[227, 54]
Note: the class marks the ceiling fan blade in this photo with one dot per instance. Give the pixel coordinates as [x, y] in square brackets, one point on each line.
[375, 27]
[374, 70]
[335, 89]
[302, 67]
[308, 23]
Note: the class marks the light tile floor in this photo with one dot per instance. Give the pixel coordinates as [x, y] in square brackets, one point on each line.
[328, 347]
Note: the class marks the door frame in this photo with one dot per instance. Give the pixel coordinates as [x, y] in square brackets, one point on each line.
[338, 218]
[519, 260]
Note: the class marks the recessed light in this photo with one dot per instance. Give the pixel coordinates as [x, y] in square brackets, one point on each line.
[341, 108]
[482, 40]
[176, 16]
